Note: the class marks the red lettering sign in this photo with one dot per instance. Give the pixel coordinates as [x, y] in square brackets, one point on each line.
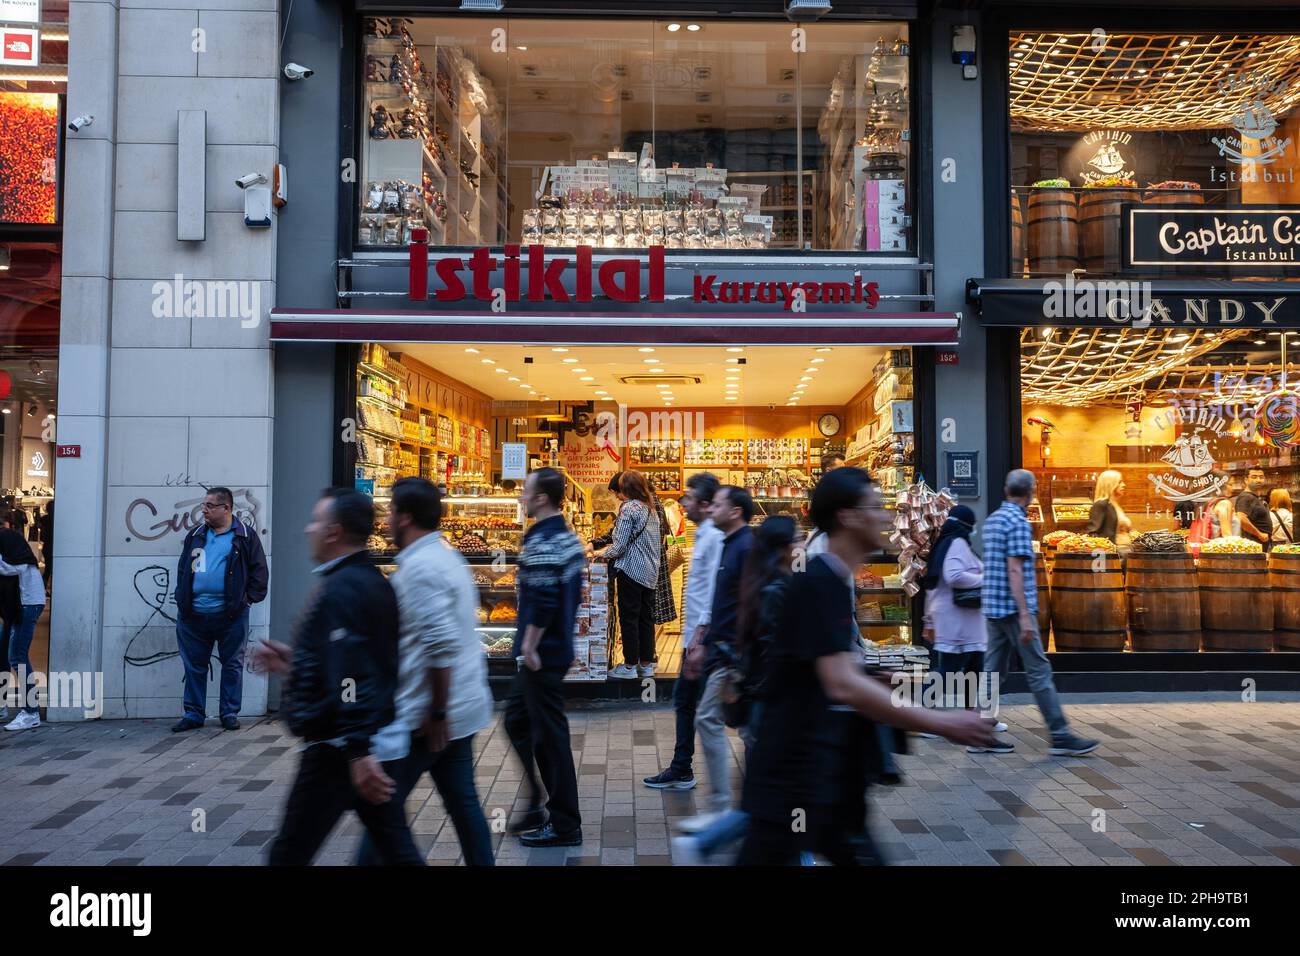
[945, 358]
[67, 451]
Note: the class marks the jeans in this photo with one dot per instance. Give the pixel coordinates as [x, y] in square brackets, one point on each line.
[196, 634]
[971, 662]
[830, 834]
[686, 694]
[713, 741]
[452, 771]
[1004, 634]
[538, 730]
[322, 792]
[15, 645]
[636, 620]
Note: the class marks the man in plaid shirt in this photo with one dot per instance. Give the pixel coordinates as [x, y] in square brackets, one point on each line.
[1009, 599]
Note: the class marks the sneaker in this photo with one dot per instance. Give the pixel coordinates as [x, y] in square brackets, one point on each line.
[1072, 746]
[671, 779]
[624, 672]
[530, 821]
[230, 723]
[547, 836]
[999, 728]
[186, 723]
[25, 720]
[646, 670]
[1002, 747]
[698, 823]
[928, 736]
[686, 851]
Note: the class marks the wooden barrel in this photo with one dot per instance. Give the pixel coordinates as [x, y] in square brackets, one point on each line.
[1236, 602]
[1164, 605]
[1174, 197]
[1088, 610]
[1099, 228]
[1053, 231]
[1017, 238]
[1044, 598]
[1284, 579]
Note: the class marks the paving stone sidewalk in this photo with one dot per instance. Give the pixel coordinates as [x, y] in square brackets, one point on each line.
[1182, 779]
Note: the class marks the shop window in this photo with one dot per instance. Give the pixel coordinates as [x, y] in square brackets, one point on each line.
[1103, 123]
[625, 134]
[1167, 460]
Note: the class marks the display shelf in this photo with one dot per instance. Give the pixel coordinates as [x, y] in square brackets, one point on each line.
[381, 372]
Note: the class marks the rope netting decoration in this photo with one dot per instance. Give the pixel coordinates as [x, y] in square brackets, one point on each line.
[1137, 81]
[1076, 367]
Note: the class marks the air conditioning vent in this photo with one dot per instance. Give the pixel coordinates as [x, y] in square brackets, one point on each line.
[639, 379]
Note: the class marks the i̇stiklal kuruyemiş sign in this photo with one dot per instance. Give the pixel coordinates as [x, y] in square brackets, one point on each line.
[1256, 147]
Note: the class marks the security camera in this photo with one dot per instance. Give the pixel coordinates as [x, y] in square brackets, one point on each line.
[806, 9]
[296, 71]
[250, 179]
[81, 122]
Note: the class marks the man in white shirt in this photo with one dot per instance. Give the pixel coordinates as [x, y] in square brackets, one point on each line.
[442, 690]
[700, 579]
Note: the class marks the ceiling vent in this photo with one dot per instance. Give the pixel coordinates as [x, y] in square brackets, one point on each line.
[640, 379]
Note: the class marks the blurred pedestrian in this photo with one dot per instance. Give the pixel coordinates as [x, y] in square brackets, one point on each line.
[708, 659]
[22, 599]
[634, 554]
[1279, 508]
[698, 604]
[804, 787]
[47, 542]
[342, 677]
[442, 688]
[221, 574]
[551, 566]
[1009, 602]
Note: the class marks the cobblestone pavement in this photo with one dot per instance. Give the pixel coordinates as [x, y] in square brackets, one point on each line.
[1183, 779]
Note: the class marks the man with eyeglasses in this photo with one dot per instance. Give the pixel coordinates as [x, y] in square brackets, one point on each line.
[221, 574]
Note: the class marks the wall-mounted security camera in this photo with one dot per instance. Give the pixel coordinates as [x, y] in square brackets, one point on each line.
[481, 6]
[806, 9]
[81, 122]
[963, 50]
[296, 71]
[250, 179]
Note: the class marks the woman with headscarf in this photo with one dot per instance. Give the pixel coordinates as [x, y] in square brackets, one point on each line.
[1107, 518]
[958, 632]
[22, 599]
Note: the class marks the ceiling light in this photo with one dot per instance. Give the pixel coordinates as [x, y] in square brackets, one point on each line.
[805, 378]
[559, 349]
[475, 351]
[731, 398]
[645, 348]
[733, 361]
[816, 360]
[693, 27]
[525, 385]
[502, 371]
[1260, 341]
[488, 362]
[656, 370]
[569, 360]
[577, 370]
[674, 27]
[601, 391]
[587, 378]
[824, 348]
[663, 386]
[651, 361]
[521, 48]
[812, 370]
[1184, 42]
[1024, 46]
[735, 348]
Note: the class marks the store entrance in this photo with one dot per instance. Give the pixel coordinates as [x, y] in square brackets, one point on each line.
[768, 419]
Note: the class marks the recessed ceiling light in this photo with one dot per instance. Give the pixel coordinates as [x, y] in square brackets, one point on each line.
[645, 348]
[587, 378]
[502, 371]
[824, 348]
[1261, 342]
[651, 361]
[731, 398]
[569, 361]
[733, 361]
[488, 362]
[513, 378]
[736, 348]
[663, 386]
[693, 27]
[812, 370]
[674, 27]
[577, 370]
[521, 48]
[800, 388]
[559, 349]
[601, 391]
[805, 378]
[816, 360]
[475, 351]
[1024, 46]
[656, 370]
[525, 385]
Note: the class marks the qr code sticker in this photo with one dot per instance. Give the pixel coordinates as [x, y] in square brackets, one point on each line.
[961, 469]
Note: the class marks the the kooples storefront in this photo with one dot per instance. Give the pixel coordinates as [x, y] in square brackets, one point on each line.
[1142, 293]
[663, 246]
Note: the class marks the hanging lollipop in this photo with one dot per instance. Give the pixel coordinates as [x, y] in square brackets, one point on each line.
[1277, 418]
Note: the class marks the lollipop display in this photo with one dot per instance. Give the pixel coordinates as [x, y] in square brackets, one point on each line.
[1277, 418]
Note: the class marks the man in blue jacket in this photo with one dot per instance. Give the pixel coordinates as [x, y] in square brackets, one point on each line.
[221, 574]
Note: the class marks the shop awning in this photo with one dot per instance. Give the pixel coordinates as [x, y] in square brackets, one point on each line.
[1116, 303]
[588, 328]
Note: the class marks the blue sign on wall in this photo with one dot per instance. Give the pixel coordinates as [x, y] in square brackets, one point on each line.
[963, 473]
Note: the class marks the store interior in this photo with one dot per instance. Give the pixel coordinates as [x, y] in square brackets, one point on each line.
[630, 133]
[757, 417]
[1099, 121]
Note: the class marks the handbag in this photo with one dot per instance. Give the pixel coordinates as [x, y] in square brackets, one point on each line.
[676, 557]
[966, 597]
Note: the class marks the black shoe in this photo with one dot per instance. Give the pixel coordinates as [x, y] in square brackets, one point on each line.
[1001, 747]
[230, 723]
[530, 821]
[186, 723]
[547, 836]
[1072, 746]
[671, 779]
[890, 778]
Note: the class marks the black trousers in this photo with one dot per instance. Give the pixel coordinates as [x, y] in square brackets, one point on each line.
[686, 696]
[539, 731]
[831, 833]
[322, 792]
[636, 620]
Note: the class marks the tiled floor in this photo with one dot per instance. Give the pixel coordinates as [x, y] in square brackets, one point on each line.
[1185, 779]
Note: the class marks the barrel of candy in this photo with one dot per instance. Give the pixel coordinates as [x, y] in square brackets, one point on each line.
[1236, 602]
[1053, 228]
[1284, 579]
[1174, 197]
[1164, 605]
[1044, 598]
[1099, 226]
[1088, 612]
[1017, 238]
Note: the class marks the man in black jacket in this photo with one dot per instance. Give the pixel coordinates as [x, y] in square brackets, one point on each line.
[340, 691]
[221, 574]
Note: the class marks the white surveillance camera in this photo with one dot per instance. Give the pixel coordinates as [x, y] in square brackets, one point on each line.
[250, 179]
[81, 122]
[296, 71]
